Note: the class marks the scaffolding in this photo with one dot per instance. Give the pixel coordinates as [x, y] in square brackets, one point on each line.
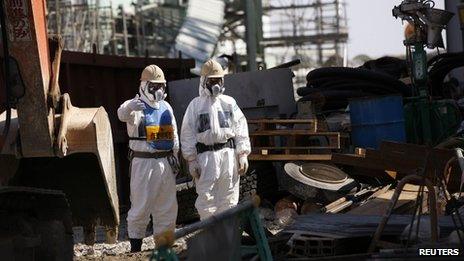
[256, 33]
[314, 31]
[147, 28]
[151, 29]
[82, 23]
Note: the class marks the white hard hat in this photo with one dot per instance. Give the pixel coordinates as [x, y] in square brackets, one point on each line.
[153, 73]
[212, 69]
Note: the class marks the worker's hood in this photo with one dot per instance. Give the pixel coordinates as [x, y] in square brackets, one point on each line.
[205, 92]
[149, 98]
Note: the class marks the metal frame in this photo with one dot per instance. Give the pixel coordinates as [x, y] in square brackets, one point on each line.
[396, 195]
[247, 211]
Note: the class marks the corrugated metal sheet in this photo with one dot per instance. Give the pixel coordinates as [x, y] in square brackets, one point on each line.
[198, 35]
[347, 225]
[271, 90]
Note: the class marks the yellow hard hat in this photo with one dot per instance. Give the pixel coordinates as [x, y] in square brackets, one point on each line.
[212, 69]
[153, 73]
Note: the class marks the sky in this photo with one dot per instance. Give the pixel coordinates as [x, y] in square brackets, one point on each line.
[372, 28]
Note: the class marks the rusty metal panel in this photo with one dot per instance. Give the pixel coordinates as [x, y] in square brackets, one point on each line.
[94, 80]
[26, 26]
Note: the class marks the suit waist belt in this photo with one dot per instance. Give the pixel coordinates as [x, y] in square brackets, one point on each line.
[150, 155]
[215, 147]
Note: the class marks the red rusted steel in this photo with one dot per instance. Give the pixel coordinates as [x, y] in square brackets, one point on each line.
[94, 80]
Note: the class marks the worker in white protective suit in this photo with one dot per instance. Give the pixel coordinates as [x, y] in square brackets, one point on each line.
[215, 142]
[154, 146]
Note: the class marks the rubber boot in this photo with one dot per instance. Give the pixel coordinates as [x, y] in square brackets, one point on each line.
[136, 245]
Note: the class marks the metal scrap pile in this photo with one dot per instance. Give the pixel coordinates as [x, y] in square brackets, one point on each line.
[337, 208]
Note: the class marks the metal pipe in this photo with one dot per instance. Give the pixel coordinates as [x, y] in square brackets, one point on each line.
[250, 22]
[249, 204]
[461, 165]
[396, 195]
[460, 158]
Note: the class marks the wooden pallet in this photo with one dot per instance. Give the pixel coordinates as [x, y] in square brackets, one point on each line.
[290, 157]
[271, 142]
[264, 124]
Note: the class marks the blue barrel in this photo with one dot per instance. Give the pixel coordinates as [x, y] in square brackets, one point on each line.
[377, 119]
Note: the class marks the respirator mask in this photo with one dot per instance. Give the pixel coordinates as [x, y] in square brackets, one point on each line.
[155, 91]
[215, 86]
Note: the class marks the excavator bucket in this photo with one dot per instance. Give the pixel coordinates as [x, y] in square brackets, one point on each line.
[85, 172]
[51, 144]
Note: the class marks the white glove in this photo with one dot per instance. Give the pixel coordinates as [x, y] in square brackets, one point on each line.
[243, 165]
[194, 169]
[136, 104]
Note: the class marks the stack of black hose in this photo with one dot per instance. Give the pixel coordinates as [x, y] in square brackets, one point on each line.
[439, 67]
[331, 88]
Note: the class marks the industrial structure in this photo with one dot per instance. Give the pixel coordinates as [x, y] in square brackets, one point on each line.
[314, 31]
[332, 173]
[252, 34]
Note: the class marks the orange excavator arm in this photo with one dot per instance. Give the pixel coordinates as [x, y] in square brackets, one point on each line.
[61, 147]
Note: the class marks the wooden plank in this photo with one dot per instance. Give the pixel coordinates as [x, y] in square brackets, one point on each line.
[335, 141]
[415, 154]
[358, 161]
[308, 157]
[271, 124]
[379, 204]
[293, 132]
[293, 148]
[417, 151]
[407, 158]
[377, 160]
[284, 121]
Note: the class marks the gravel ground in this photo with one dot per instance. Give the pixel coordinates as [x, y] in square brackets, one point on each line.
[120, 250]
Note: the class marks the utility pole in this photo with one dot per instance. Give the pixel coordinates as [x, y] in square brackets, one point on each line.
[319, 27]
[137, 28]
[96, 26]
[57, 17]
[124, 29]
[113, 34]
[142, 25]
[250, 11]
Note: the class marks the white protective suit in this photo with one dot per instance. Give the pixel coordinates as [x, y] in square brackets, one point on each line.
[152, 182]
[210, 120]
